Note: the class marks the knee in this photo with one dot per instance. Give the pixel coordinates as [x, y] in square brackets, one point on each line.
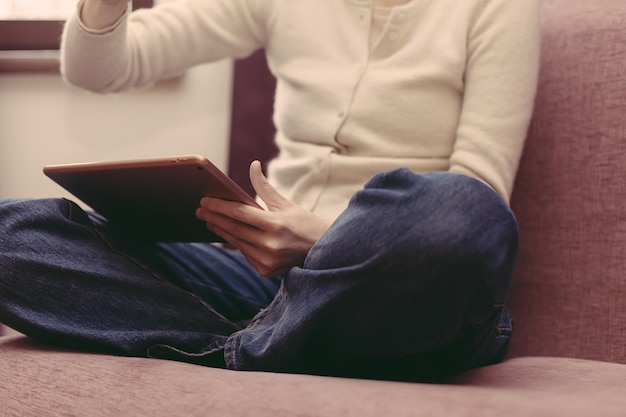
[467, 232]
[37, 210]
[406, 218]
[450, 213]
[25, 222]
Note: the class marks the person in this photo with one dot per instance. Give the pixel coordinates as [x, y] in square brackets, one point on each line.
[386, 244]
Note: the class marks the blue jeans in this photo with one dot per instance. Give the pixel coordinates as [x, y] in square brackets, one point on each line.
[409, 283]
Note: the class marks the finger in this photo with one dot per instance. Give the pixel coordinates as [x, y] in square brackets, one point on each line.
[228, 238]
[213, 210]
[218, 205]
[229, 227]
[272, 198]
[266, 265]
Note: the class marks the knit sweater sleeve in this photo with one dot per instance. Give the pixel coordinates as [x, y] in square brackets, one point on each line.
[150, 44]
[500, 85]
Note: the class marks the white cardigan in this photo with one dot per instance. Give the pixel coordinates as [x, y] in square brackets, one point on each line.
[449, 85]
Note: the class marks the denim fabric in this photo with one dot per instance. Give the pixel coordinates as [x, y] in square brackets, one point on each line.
[409, 283]
[68, 278]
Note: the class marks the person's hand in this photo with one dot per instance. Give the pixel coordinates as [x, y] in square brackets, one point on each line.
[273, 240]
[99, 14]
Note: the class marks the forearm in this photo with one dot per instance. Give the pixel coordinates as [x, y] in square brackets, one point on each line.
[140, 48]
[95, 58]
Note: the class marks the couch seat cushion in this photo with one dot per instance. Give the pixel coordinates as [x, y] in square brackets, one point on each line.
[42, 381]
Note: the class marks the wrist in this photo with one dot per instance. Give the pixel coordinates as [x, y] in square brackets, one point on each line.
[97, 14]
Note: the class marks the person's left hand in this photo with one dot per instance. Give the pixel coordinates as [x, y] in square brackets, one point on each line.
[273, 240]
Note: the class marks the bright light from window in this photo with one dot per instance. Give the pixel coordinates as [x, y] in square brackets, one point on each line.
[36, 9]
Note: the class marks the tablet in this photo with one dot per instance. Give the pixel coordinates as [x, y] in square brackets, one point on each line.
[154, 198]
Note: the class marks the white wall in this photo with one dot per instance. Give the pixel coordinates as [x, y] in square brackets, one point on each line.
[43, 121]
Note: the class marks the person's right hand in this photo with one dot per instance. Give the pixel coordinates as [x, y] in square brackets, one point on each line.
[273, 240]
[99, 14]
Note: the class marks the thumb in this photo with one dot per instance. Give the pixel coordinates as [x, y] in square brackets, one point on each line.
[272, 198]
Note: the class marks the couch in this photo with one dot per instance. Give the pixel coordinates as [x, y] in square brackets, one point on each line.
[568, 353]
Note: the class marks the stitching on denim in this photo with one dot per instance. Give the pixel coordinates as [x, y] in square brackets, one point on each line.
[230, 351]
[232, 294]
[158, 277]
[233, 344]
[216, 346]
[508, 329]
[94, 230]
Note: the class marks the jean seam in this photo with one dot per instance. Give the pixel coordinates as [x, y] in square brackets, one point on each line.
[233, 343]
[135, 261]
[231, 294]
[230, 351]
[213, 347]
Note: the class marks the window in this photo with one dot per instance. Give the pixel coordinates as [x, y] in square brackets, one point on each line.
[27, 26]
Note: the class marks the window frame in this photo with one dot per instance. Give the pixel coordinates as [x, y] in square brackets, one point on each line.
[32, 45]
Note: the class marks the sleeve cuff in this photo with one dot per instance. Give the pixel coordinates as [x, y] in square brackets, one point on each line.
[108, 29]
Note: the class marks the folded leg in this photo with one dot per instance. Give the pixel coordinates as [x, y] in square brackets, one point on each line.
[69, 278]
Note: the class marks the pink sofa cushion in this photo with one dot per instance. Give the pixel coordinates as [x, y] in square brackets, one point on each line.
[45, 381]
[569, 289]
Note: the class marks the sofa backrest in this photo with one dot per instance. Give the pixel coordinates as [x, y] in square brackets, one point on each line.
[252, 130]
[569, 290]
